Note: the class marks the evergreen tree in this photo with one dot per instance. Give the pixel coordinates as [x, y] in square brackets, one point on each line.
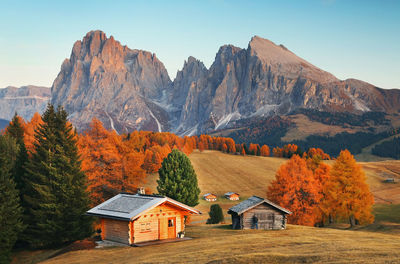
[216, 215]
[10, 209]
[55, 187]
[178, 179]
[15, 129]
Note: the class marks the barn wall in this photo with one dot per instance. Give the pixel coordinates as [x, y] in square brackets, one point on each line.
[268, 218]
[116, 230]
[153, 225]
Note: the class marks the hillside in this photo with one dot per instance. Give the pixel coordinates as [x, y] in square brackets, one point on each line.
[219, 244]
[250, 175]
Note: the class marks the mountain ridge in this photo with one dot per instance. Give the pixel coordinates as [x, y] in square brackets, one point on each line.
[130, 89]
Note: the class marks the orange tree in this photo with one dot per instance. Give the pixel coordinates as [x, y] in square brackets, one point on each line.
[347, 192]
[296, 189]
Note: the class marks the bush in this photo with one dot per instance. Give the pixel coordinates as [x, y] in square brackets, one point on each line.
[216, 215]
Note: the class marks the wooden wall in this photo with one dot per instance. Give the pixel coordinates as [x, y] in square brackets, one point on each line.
[153, 225]
[268, 218]
[115, 230]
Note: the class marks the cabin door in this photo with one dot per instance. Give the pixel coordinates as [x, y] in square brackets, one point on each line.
[172, 227]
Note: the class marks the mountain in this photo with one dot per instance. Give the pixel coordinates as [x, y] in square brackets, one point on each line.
[113, 83]
[25, 100]
[130, 89]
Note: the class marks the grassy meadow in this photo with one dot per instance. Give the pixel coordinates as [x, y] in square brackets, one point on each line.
[219, 173]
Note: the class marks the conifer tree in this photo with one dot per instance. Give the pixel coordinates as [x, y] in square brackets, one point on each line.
[10, 209]
[178, 179]
[55, 188]
[216, 214]
[347, 192]
[15, 130]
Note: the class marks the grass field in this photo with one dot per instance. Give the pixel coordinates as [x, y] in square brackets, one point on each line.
[218, 173]
[219, 244]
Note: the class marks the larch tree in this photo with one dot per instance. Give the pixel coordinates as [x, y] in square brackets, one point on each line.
[10, 209]
[348, 193]
[264, 151]
[294, 188]
[55, 188]
[178, 179]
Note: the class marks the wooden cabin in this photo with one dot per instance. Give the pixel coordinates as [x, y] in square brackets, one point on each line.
[134, 218]
[258, 213]
[232, 196]
[210, 197]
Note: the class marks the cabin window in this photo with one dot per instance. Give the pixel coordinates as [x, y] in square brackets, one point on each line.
[170, 222]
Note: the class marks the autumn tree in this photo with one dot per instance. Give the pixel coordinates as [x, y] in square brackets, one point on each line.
[178, 179]
[264, 151]
[348, 193]
[294, 188]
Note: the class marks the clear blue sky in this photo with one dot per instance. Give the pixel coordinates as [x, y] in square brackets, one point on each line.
[358, 39]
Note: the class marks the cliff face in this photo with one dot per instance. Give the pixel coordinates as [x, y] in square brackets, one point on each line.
[130, 89]
[267, 79]
[109, 81]
[25, 100]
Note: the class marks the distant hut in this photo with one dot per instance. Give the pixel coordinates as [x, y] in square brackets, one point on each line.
[210, 197]
[389, 180]
[258, 213]
[232, 196]
[134, 218]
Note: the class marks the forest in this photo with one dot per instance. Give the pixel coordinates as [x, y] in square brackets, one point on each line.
[389, 149]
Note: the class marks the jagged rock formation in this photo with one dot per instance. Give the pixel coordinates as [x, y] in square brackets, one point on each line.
[25, 100]
[267, 79]
[109, 81]
[130, 89]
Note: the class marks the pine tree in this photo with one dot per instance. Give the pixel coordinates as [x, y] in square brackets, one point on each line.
[55, 188]
[10, 209]
[178, 179]
[16, 130]
[216, 214]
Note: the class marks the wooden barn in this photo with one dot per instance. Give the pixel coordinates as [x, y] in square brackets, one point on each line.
[134, 218]
[232, 196]
[210, 197]
[258, 213]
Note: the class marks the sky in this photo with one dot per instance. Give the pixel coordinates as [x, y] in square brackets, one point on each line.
[350, 39]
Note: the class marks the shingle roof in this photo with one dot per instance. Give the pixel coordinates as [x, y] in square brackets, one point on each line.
[252, 202]
[130, 206]
[207, 194]
[230, 193]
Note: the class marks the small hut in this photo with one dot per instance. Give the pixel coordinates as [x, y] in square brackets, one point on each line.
[232, 196]
[134, 218]
[210, 197]
[258, 213]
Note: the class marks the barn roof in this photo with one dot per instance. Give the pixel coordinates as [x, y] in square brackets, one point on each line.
[252, 202]
[130, 206]
[230, 193]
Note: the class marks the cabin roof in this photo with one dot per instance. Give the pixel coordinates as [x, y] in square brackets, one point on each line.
[207, 194]
[230, 193]
[253, 201]
[128, 207]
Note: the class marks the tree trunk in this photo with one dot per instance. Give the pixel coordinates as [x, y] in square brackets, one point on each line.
[352, 221]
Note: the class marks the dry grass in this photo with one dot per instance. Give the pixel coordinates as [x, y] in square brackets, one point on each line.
[250, 175]
[219, 244]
